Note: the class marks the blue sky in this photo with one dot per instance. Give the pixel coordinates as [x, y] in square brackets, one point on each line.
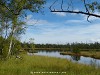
[61, 28]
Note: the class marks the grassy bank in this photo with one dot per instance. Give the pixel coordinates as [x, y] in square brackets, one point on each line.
[95, 55]
[30, 64]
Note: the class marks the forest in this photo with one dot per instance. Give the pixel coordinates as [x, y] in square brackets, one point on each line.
[95, 45]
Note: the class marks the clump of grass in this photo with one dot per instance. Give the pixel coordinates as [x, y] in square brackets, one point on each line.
[30, 64]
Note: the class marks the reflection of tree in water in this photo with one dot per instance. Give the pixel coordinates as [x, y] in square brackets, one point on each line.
[93, 62]
[76, 58]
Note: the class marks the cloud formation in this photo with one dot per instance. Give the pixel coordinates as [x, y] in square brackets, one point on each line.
[53, 30]
[30, 21]
[60, 13]
[60, 33]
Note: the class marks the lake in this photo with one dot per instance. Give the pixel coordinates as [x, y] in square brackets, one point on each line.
[78, 59]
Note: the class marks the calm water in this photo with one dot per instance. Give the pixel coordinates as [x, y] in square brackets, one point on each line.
[81, 59]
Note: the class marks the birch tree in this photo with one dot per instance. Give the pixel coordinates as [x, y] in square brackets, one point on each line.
[15, 10]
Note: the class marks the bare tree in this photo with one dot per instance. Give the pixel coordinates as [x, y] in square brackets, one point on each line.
[90, 7]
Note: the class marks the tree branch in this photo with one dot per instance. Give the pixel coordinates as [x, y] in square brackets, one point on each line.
[52, 5]
[85, 6]
[77, 12]
[62, 5]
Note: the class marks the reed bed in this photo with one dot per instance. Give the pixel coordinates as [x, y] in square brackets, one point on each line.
[28, 65]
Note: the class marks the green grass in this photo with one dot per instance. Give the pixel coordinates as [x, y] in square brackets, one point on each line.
[34, 63]
[92, 54]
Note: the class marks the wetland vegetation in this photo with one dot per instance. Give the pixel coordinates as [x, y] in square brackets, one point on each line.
[15, 58]
[30, 64]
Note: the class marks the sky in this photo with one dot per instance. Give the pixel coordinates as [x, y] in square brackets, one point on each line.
[61, 28]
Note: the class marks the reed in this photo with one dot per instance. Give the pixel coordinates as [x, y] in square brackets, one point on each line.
[30, 64]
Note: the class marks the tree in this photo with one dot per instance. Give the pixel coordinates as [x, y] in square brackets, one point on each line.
[1, 45]
[89, 8]
[31, 42]
[14, 10]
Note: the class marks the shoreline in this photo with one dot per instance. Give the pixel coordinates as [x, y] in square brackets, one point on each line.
[85, 54]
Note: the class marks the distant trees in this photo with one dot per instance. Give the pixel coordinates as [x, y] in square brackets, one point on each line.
[28, 46]
[84, 46]
[31, 45]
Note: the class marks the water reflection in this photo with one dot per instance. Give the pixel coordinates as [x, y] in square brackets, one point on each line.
[79, 59]
[92, 62]
[76, 58]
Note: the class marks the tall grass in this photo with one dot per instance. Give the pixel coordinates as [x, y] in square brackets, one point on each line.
[30, 64]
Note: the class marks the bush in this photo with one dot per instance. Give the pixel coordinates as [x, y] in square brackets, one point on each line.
[5, 51]
[76, 50]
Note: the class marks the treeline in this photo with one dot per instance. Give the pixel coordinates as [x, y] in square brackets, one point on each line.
[95, 45]
[18, 46]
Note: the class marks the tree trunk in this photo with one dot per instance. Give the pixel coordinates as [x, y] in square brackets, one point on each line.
[11, 41]
[14, 22]
[10, 46]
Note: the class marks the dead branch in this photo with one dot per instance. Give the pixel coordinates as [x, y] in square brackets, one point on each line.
[73, 11]
[77, 12]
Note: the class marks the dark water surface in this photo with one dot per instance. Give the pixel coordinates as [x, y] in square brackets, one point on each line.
[79, 59]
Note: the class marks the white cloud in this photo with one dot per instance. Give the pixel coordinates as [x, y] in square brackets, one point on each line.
[37, 22]
[91, 18]
[60, 13]
[76, 10]
[95, 40]
[89, 33]
[52, 33]
[74, 21]
[29, 17]
[73, 14]
[30, 21]
[83, 19]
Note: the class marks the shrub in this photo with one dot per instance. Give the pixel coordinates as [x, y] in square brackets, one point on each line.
[76, 50]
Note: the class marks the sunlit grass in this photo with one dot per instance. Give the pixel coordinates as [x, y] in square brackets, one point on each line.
[93, 54]
[30, 64]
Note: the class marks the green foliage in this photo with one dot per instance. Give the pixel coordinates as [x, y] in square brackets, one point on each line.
[81, 46]
[16, 45]
[4, 46]
[32, 46]
[44, 64]
[5, 50]
[29, 46]
[9, 8]
[76, 50]
[12, 13]
[1, 44]
[94, 6]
